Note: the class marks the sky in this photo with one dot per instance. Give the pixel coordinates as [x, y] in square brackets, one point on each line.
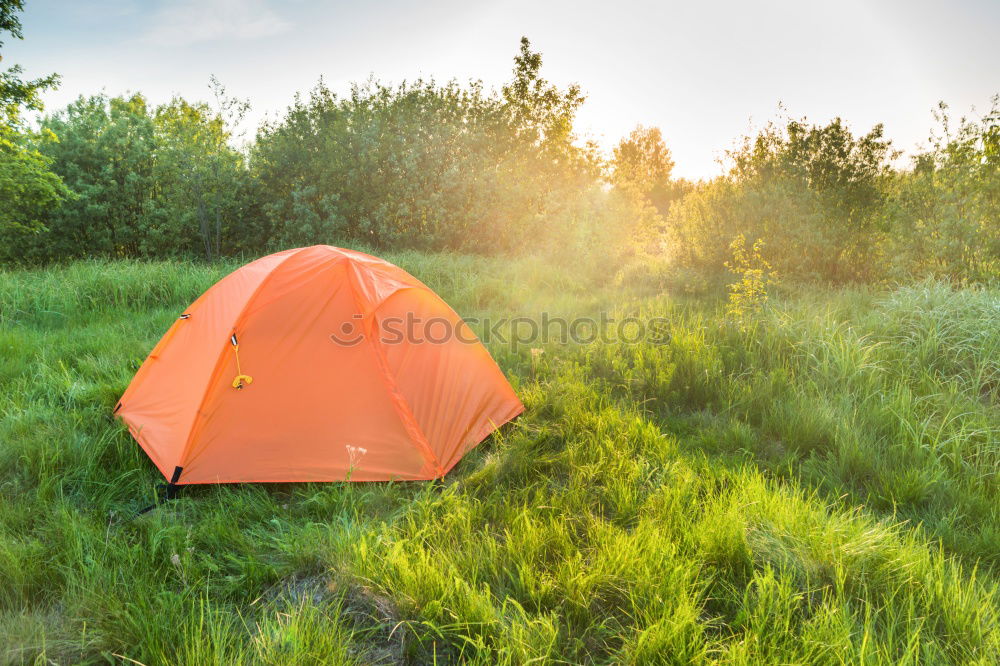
[705, 72]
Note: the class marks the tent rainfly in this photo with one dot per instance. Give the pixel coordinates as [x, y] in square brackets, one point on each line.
[315, 364]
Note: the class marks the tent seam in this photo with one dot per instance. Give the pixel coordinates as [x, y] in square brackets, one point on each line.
[195, 429]
[399, 401]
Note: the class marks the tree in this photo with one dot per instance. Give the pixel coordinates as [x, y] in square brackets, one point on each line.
[201, 176]
[815, 194]
[9, 22]
[15, 93]
[946, 208]
[28, 189]
[428, 165]
[538, 108]
[845, 174]
[643, 163]
[105, 154]
[151, 182]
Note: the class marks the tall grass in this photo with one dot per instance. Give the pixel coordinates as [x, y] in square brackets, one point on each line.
[817, 486]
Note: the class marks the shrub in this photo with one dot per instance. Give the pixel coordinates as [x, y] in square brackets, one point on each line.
[749, 293]
[815, 191]
[160, 182]
[427, 165]
[946, 208]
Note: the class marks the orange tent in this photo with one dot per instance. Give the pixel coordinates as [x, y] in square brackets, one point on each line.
[315, 364]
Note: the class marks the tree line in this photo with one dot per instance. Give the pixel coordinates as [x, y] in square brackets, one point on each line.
[459, 167]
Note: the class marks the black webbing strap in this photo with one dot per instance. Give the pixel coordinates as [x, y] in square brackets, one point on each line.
[165, 492]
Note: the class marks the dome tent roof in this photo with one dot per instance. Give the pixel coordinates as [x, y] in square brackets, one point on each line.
[288, 369]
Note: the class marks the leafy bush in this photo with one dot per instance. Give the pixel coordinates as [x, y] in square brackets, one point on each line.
[946, 208]
[749, 293]
[428, 165]
[642, 163]
[815, 192]
[28, 188]
[461, 168]
[147, 182]
[834, 210]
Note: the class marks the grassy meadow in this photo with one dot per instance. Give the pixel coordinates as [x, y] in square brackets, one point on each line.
[799, 467]
[817, 485]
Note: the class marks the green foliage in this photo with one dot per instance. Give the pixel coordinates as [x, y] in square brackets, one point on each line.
[17, 94]
[28, 189]
[538, 110]
[148, 182]
[642, 162]
[106, 155]
[429, 165]
[461, 168]
[816, 192]
[203, 179]
[9, 21]
[946, 208]
[421, 165]
[749, 293]
[842, 173]
[819, 488]
[834, 211]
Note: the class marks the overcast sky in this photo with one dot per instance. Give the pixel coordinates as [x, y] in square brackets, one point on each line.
[702, 71]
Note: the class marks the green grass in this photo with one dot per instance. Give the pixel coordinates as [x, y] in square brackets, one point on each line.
[819, 489]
